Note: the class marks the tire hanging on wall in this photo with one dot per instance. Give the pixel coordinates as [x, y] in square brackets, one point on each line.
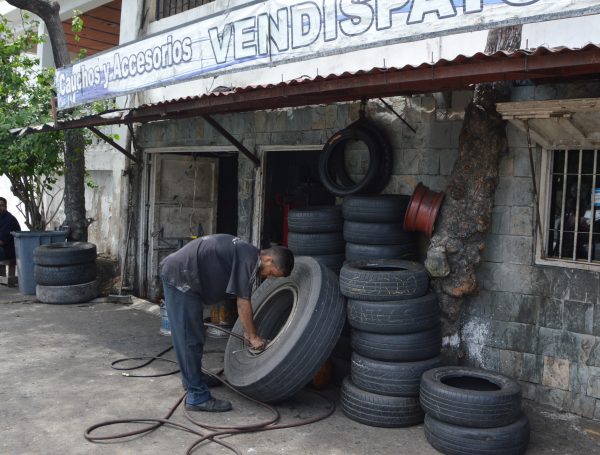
[334, 176]
[303, 316]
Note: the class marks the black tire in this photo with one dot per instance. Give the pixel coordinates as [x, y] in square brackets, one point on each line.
[332, 261]
[64, 275]
[382, 208]
[64, 253]
[395, 316]
[319, 244]
[77, 293]
[396, 379]
[332, 172]
[376, 233]
[303, 315]
[470, 397]
[383, 279]
[316, 219]
[387, 156]
[456, 440]
[409, 347]
[379, 410]
[361, 252]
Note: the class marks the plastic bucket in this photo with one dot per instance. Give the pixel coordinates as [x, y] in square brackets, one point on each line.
[25, 243]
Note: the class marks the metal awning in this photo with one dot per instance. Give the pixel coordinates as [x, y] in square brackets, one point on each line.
[541, 64]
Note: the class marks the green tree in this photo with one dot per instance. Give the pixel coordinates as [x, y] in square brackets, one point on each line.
[74, 196]
[33, 162]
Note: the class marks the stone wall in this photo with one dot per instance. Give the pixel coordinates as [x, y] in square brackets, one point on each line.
[538, 324]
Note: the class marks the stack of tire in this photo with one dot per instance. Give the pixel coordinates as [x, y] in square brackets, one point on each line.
[396, 336]
[473, 411]
[316, 231]
[373, 228]
[65, 272]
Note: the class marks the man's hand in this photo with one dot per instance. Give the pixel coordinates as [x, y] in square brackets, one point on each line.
[256, 342]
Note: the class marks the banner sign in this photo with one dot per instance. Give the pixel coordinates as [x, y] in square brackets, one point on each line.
[269, 33]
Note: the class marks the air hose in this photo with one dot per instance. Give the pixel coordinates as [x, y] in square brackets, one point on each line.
[204, 431]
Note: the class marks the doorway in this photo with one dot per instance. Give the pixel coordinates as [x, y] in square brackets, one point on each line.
[291, 179]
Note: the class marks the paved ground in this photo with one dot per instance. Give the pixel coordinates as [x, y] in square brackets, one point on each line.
[56, 381]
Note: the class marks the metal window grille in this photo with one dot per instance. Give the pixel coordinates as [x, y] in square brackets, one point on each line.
[573, 229]
[166, 8]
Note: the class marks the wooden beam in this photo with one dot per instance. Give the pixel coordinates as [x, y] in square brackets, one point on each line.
[535, 136]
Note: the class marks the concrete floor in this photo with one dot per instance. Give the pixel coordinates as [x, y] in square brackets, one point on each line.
[56, 381]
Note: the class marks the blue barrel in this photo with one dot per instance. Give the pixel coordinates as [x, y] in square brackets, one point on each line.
[25, 243]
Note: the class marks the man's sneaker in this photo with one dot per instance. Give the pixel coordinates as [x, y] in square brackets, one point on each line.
[211, 405]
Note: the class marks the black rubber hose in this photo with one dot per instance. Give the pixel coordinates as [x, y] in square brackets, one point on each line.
[216, 433]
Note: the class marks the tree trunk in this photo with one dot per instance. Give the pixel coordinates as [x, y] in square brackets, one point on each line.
[74, 139]
[465, 218]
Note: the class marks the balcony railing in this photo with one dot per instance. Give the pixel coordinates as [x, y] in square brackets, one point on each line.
[166, 8]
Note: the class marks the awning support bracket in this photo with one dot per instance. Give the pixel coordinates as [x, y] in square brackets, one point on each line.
[237, 144]
[390, 107]
[109, 141]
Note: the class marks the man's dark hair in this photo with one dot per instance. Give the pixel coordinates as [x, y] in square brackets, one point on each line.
[283, 258]
[2, 199]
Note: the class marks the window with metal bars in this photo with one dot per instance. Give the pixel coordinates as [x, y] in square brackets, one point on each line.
[573, 223]
[166, 8]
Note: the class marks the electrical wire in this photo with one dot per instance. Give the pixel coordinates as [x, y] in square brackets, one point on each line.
[206, 432]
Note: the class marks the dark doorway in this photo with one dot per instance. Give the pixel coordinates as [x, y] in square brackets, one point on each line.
[291, 180]
[227, 203]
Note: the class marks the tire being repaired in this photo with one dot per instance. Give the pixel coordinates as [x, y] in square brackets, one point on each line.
[302, 315]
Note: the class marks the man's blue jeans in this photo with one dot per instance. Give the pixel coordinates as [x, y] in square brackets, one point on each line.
[185, 312]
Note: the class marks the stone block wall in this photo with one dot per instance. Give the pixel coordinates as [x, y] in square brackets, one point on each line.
[538, 324]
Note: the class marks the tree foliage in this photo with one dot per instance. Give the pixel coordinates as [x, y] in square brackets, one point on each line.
[32, 162]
